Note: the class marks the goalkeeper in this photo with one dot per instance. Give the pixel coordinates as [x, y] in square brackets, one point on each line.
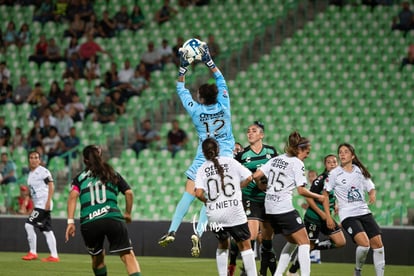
[211, 117]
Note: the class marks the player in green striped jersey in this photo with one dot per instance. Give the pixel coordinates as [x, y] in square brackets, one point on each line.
[97, 188]
[252, 157]
[315, 218]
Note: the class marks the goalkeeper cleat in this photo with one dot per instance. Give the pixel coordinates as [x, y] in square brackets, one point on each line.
[167, 239]
[30, 257]
[195, 250]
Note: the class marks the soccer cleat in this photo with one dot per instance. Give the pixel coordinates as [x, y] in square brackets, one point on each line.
[357, 272]
[230, 270]
[30, 257]
[167, 239]
[292, 274]
[195, 250]
[50, 259]
[243, 271]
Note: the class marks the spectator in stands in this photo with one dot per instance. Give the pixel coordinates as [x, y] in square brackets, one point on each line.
[94, 101]
[22, 91]
[70, 143]
[24, 36]
[107, 26]
[38, 109]
[176, 138]
[85, 10]
[36, 94]
[165, 13]
[119, 102]
[8, 169]
[106, 111]
[54, 92]
[2, 43]
[122, 19]
[76, 27]
[74, 67]
[145, 137]
[92, 70]
[53, 53]
[4, 71]
[137, 18]
[39, 55]
[44, 12]
[73, 47]
[6, 91]
[409, 59]
[143, 71]
[92, 26]
[5, 133]
[17, 140]
[63, 122]
[166, 52]
[404, 21]
[125, 75]
[176, 54]
[72, 9]
[138, 83]
[10, 35]
[34, 137]
[52, 143]
[151, 58]
[65, 97]
[47, 119]
[111, 78]
[22, 204]
[213, 46]
[90, 48]
[59, 11]
[76, 108]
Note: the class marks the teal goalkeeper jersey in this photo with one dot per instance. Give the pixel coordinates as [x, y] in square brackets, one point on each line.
[317, 187]
[252, 161]
[98, 200]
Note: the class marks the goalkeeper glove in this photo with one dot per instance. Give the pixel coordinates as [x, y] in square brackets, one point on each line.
[183, 62]
[206, 57]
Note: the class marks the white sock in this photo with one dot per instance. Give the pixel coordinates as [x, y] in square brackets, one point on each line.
[249, 262]
[31, 237]
[285, 258]
[379, 261]
[51, 243]
[360, 256]
[221, 259]
[304, 259]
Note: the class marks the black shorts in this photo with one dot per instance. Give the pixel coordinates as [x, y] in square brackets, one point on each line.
[40, 218]
[287, 223]
[314, 229]
[365, 223]
[115, 231]
[239, 232]
[254, 210]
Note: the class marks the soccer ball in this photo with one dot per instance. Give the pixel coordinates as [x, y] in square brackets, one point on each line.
[191, 49]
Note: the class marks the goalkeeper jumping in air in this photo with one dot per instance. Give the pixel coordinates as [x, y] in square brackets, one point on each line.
[211, 117]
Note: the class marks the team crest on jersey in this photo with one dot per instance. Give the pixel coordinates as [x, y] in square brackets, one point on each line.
[299, 220]
[354, 195]
[349, 230]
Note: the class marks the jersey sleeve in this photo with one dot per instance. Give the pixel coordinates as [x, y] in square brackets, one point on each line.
[186, 99]
[243, 171]
[122, 184]
[299, 174]
[369, 185]
[265, 168]
[223, 93]
[75, 185]
[330, 180]
[199, 181]
[318, 184]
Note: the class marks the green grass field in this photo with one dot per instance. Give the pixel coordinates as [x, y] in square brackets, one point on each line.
[79, 265]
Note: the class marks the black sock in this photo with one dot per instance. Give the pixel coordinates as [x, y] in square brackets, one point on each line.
[234, 252]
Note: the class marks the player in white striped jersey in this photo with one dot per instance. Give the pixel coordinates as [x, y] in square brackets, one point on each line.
[286, 173]
[218, 184]
[350, 181]
[41, 187]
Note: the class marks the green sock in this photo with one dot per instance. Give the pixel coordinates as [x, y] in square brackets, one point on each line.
[100, 271]
[135, 274]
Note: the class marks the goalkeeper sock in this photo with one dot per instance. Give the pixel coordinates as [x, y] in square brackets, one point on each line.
[180, 211]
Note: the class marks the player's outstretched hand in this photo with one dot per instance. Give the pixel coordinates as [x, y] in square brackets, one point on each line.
[183, 62]
[206, 57]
